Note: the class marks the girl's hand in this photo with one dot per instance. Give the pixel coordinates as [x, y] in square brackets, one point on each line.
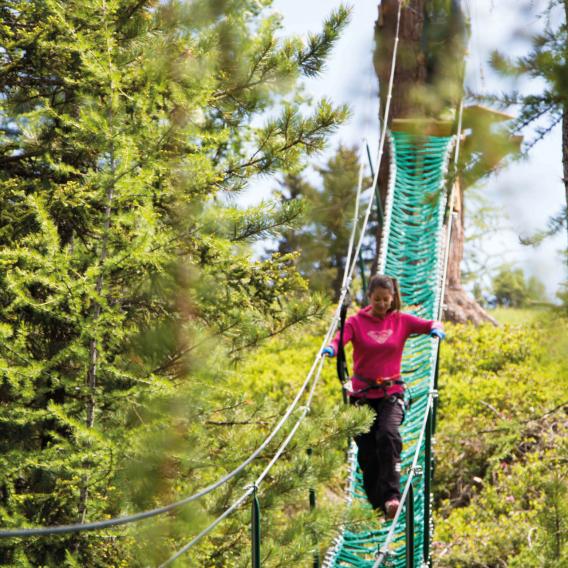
[438, 332]
[328, 351]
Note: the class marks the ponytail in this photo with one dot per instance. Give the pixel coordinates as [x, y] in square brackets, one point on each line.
[396, 301]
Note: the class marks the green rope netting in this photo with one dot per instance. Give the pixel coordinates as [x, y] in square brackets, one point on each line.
[412, 252]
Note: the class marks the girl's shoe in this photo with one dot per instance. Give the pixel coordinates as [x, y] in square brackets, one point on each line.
[391, 508]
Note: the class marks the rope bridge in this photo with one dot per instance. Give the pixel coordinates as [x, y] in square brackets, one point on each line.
[413, 251]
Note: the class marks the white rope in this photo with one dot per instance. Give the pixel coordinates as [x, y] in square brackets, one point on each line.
[347, 277]
[354, 228]
[254, 486]
[382, 140]
[331, 555]
[208, 529]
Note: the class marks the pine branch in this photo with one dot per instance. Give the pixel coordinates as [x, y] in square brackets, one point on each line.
[311, 59]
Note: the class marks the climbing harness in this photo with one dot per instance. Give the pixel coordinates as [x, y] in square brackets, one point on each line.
[379, 383]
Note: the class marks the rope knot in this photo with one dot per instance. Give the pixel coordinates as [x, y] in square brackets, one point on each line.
[252, 487]
[417, 470]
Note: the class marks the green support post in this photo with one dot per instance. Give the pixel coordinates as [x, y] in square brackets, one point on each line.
[435, 401]
[255, 530]
[377, 193]
[410, 528]
[427, 489]
[312, 501]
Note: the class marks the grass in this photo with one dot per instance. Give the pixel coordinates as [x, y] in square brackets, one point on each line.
[518, 316]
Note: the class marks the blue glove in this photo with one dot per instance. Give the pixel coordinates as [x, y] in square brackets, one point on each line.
[328, 351]
[437, 332]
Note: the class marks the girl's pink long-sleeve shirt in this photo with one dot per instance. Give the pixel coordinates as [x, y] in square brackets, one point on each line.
[377, 346]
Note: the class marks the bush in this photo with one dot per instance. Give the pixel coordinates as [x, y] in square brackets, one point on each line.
[501, 478]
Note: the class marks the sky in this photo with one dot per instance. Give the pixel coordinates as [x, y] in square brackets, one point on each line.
[527, 193]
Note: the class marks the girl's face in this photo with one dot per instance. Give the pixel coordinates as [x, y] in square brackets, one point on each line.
[380, 300]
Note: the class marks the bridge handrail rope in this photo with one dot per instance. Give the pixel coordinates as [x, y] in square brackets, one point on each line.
[107, 523]
[347, 277]
[96, 525]
[256, 484]
[450, 210]
[354, 227]
[381, 146]
[350, 264]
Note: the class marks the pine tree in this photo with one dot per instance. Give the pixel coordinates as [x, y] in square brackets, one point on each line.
[323, 242]
[121, 121]
[544, 109]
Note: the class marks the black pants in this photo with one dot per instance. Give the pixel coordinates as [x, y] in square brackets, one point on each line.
[380, 449]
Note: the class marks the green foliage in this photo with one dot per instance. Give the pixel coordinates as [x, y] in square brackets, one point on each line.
[501, 475]
[520, 316]
[255, 396]
[323, 241]
[543, 109]
[512, 289]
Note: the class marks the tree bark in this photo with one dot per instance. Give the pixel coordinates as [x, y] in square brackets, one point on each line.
[417, 72]
[460, 307]
[565, 139]
[565, 156]
[91, 379]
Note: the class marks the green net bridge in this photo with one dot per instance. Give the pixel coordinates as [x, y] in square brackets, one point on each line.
[413, 250]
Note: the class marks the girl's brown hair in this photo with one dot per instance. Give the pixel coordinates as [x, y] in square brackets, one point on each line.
[388, 283]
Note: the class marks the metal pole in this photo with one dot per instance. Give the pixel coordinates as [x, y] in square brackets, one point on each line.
[435, 397]
[255, 530]
[427, 488]
[312, 501]
[410, 528]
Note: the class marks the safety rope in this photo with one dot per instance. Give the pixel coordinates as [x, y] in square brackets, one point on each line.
[258, 481]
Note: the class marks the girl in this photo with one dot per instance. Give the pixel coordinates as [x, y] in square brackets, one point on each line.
[378, 333]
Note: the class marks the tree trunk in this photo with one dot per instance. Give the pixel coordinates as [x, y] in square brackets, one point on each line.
[565, 139]
[459, 307]
[565, 155]
[415, 71]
